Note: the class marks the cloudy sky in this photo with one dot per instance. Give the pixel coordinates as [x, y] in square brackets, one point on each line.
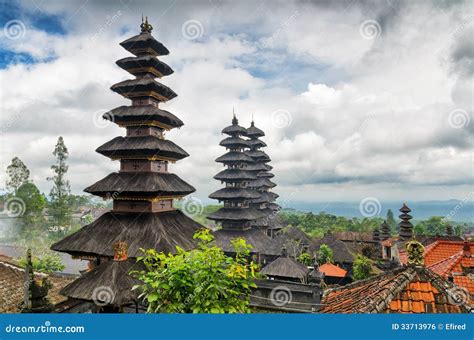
[357, 98]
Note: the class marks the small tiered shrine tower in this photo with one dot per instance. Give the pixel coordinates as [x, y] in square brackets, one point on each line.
[238, 215]
[143, 191]
[406, 228]
[262, 183]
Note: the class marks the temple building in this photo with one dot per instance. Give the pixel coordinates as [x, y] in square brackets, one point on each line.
[238, 215]
[143, 190]
[262, 183]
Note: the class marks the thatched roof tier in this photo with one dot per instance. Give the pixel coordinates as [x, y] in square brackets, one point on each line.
[273, 206]
[260, 242]
[235, 129]
[145, 64]
[254, 131]
[143, 184]
[144, 87]
[109, 283]
[286, 267]
[234, 193]
[144, 114]
[234, 175]
[143, 146]
[234, 157]
[234, 142]
[256, 143]
[236, 214]
[258, 167]
[258, 155]
[262, 182]
[267, 196]
[161, 231]
[265, 174]
[341, 253]
[144, 43]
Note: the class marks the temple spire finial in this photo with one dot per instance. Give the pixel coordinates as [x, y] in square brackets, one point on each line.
[145, 26]
[234, 118]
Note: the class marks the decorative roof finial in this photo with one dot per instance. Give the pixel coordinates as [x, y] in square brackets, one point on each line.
[252, 123]
[415, 251]
[234, 118]
[145, 26]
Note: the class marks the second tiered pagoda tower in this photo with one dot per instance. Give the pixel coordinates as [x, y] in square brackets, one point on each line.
[238, 216]
[143, 191]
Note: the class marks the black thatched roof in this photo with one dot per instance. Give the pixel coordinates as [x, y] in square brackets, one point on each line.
[273, 206]
[160, 231]
[236, 214]
[133, 88]
[135, 65]
[234, 193]
[234, 142]
[341, 253]
[262, 182]
[254, 131]
[144, 42]
[144, 146]
[265, 174]
[260, 242]
[267, 196]
[293, 233]
[258, 167]
[108, 284]
[233, 157]
[142, 113]
[256, 143]
[286, 267]
[258, 155]
[234, 174]
[145, 183]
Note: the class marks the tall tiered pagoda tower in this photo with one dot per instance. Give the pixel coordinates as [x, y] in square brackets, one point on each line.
[143, 190]
[238, 214]
[261, 168]
[406, 228]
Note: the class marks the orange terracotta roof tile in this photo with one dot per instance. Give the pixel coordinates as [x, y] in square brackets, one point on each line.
[403, 290]
[330, 269]
[465, 282]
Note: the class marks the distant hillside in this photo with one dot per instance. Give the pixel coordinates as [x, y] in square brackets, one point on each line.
[462, 211]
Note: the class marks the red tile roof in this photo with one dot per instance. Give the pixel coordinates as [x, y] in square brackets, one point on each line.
[332, 270]
[464, 281]
[403, 290]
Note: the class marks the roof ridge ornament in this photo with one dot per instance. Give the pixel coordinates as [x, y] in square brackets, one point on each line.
[145, 26]
[415, 251]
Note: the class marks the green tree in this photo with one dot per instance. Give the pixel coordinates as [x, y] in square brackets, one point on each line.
[324, 254]
[362, 268]
[391, 221]
[18, 174]
[432, 226]
[203, 280]
[43, 259]
[60, 208]
[305, 259]
[35, 203]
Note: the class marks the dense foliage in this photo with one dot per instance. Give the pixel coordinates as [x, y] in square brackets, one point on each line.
[362, 268]
[324, 254]
[203, 280]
